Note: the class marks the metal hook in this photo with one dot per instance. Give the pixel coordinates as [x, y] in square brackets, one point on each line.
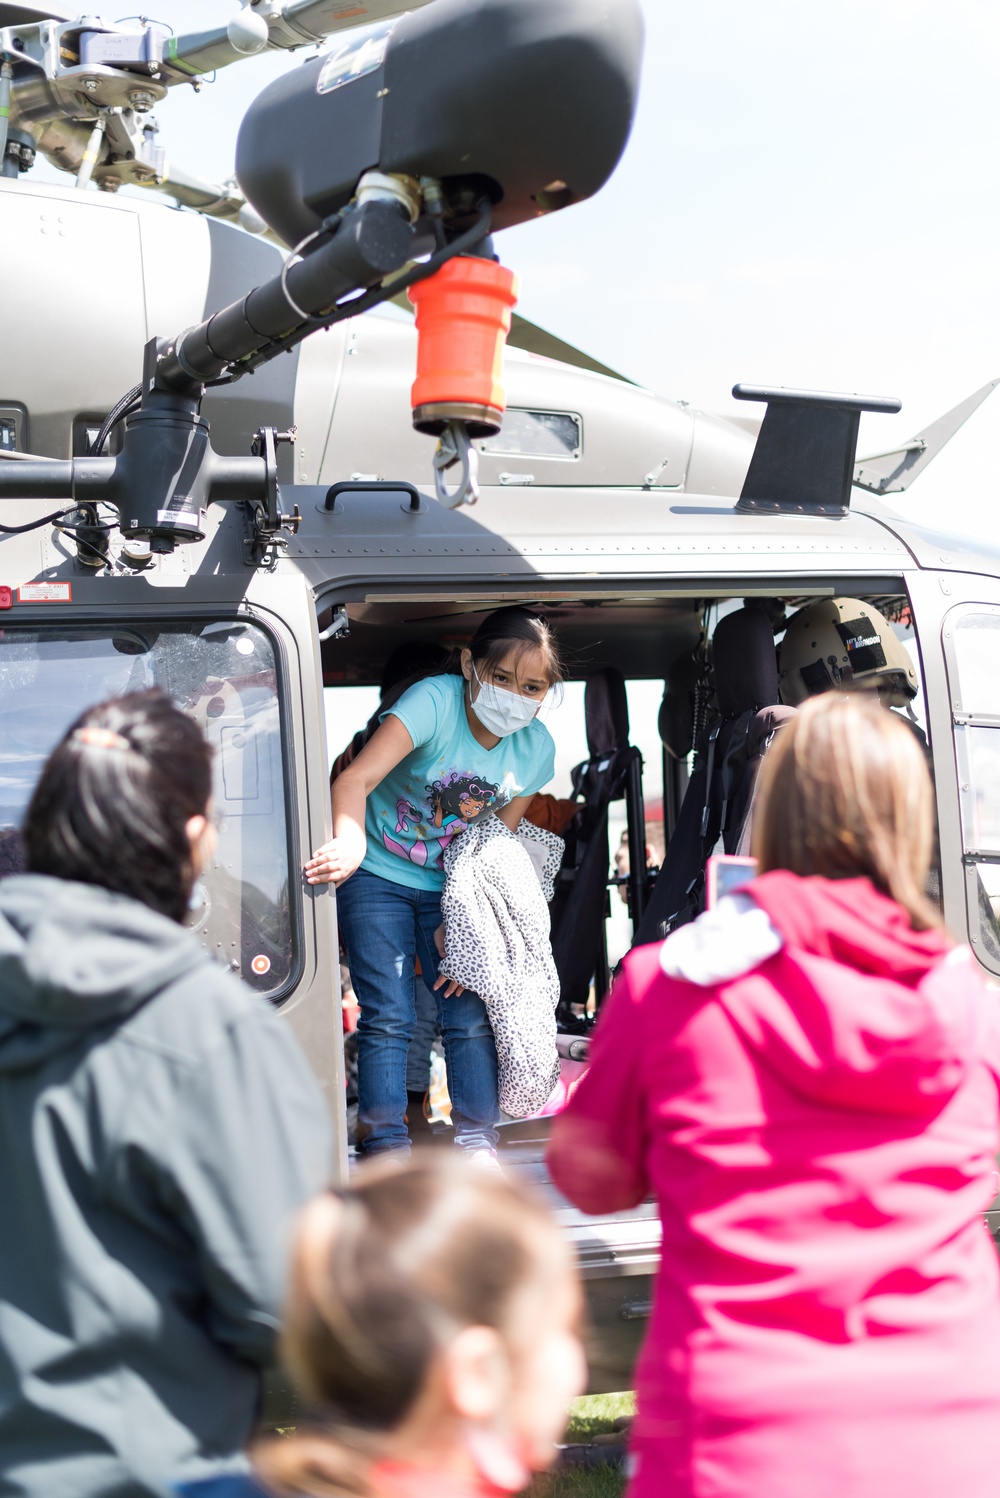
[455, 446]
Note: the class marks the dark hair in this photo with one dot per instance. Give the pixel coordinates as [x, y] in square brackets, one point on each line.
[449, 794]
[515, 626]
[490, 644]
[410, 662]
[404, 667]
[112, 803]
[384, 1273]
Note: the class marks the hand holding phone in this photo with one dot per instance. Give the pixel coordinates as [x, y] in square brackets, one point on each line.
[725, 873]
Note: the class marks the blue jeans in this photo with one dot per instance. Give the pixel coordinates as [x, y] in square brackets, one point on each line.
[385, 926]
[418, 1057]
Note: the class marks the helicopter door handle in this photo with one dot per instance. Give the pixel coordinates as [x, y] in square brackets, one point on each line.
[398, 486]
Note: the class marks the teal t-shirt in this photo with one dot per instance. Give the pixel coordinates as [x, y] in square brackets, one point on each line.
[446, 781]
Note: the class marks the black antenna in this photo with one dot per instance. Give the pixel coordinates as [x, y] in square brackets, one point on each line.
[803, 463]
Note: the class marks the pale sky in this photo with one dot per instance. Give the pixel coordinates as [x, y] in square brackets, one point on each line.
[809, 198]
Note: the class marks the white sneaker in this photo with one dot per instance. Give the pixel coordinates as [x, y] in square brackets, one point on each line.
[485, 1159]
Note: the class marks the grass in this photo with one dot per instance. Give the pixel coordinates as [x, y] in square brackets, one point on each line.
[579, 1482]
[594, 1415]
[597, 1414]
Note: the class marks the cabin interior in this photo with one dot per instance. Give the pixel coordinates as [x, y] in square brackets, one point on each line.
[647, 680]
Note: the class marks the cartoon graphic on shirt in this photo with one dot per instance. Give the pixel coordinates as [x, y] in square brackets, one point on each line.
[460, 798]
[454, 801]
[406, 813]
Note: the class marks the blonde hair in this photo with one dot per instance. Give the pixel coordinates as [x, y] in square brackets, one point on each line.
[845, 791]
[384, 1273]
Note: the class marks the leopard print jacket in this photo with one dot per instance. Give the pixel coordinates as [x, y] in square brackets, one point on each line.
[496, 942]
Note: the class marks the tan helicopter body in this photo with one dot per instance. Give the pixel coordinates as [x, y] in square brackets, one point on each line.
[347, 391]
[634, 521]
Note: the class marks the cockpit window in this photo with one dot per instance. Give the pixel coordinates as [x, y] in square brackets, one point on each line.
[972, 648]
[979, 783]
[224, 673]
[977, 655]
[538, 434]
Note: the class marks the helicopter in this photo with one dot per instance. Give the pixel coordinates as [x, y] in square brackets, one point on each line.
[144, 543]
[80, 92]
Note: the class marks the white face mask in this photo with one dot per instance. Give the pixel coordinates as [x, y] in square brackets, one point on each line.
[499, 711]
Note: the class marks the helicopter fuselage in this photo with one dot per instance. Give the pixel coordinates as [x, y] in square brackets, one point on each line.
[612, 508]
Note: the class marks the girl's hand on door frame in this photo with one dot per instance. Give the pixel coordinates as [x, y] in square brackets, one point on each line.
[338, 859]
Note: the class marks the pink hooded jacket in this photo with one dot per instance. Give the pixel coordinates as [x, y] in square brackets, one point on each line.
[810, 1087]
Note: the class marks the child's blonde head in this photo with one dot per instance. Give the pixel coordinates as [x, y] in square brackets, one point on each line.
[387, 1275]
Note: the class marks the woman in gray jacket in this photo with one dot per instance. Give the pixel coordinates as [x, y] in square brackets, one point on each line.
[159, 1129]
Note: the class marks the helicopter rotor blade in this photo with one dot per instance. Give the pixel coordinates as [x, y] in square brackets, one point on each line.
[310, 21]
[535, 340]
[25, 15]
[297, 23]
[197, 52]
[217, 199]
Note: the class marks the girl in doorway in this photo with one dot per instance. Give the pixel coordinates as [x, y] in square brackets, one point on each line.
[454, 748]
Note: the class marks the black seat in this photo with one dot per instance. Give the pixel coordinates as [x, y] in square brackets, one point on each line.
[580, 904]
[720, 790]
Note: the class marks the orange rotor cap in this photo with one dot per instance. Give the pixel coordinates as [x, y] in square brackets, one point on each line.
[463, 318]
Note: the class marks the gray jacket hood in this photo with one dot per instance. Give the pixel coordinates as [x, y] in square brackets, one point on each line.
[75, 956]
[159, 1130]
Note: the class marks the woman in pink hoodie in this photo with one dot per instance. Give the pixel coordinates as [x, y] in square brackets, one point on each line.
[807, 1079]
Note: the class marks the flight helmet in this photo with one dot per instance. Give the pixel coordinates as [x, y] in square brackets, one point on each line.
[843, 642]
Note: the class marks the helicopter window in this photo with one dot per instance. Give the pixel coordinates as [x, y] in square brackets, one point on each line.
[977, 641]
[979, 778]
[224, 673]
[538, 434]
[971, 639]
[13, 429]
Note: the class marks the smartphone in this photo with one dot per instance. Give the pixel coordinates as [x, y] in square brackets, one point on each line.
[724, 873]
